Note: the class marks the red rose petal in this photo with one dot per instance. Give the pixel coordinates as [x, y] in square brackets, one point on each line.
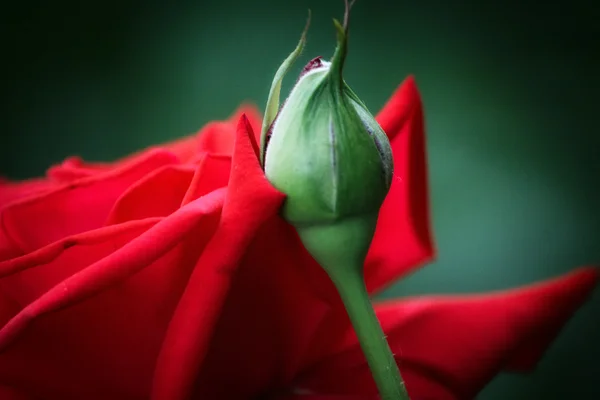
[450, 347]
[8, 248]
[222, 134]
[186, 149]
[77, 207]
[403, 240]
[74, 168]
[269, 321]
[397, 111]
[251, 200]
[217, 138]
[212, 173]
[158, 194]
[78, 249]
[114, 311]
[253, 116]
[130, 258]
[13, 191]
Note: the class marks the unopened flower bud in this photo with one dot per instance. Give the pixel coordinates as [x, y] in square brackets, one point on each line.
[326, 152]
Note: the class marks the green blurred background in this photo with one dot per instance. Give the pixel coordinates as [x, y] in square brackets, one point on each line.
[511, 100]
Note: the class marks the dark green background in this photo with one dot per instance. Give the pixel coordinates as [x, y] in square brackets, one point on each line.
[511, 100]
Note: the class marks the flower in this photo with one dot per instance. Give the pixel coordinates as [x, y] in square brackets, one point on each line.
[169, 275]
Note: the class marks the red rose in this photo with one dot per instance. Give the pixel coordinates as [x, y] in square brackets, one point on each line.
[169, 275]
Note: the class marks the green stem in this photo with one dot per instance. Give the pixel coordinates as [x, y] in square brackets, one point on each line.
[340, 248]
[380, 358]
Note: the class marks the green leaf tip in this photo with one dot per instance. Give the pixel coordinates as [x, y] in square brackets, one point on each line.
[272, 107]
[339, 56]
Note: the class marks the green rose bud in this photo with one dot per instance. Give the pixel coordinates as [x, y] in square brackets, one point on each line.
[326, 152]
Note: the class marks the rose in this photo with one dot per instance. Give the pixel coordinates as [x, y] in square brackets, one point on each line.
[169, 275]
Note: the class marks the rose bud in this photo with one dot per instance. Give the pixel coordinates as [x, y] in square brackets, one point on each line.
[327, 153]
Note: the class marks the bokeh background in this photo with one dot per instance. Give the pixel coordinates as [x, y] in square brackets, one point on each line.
[511, 100]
